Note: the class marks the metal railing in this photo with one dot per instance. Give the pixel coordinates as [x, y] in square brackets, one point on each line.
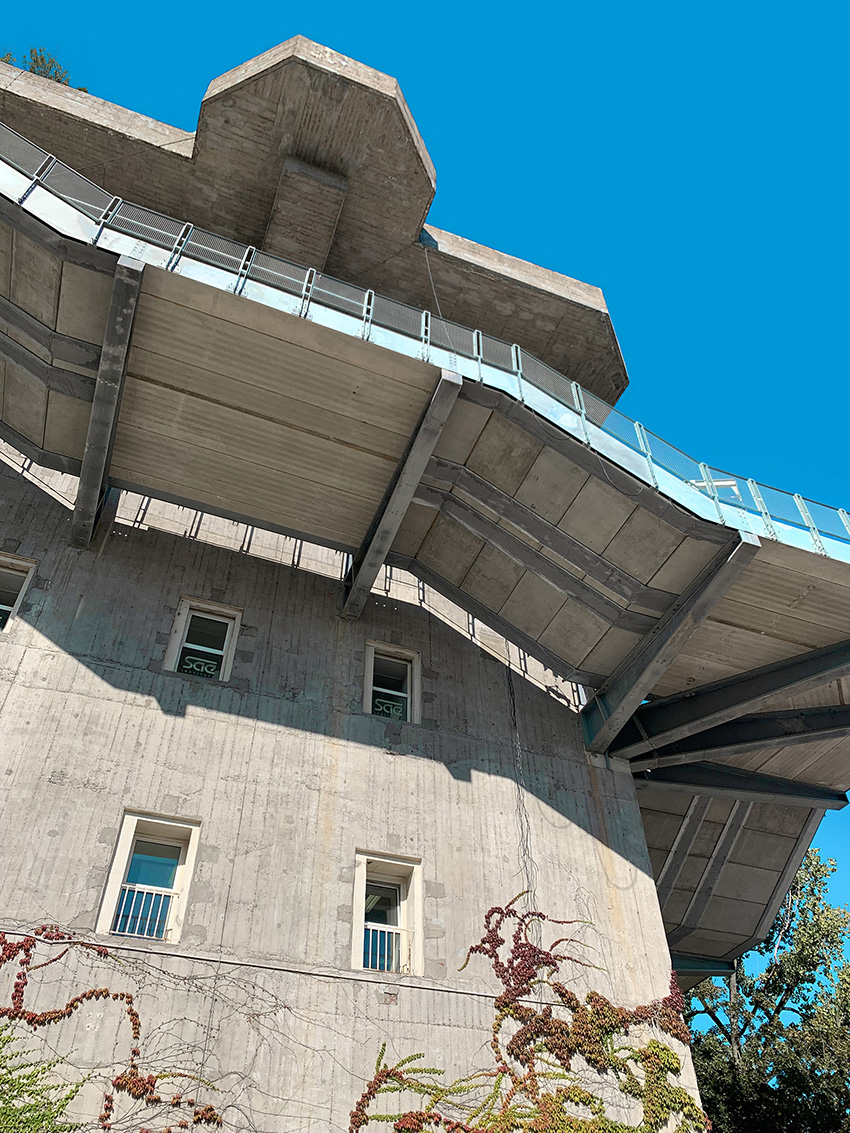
[33, 178]
[143, 911]
[385, 948]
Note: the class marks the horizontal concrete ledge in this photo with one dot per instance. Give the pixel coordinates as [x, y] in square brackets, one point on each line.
[55, 460]
[66, 249]
[223, 513]
[62, 347]
[488, 618]
[718, 781]
[594, 463]
[79, 386]
[703, 966]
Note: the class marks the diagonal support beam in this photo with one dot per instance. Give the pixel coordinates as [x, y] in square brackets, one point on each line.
[674, 718]
[683, 843]
[106, 403]
[792, 728]
[617, 700]
[614, 578]
[530, 559]
[704, 891]
[384, 527]
[716, 781]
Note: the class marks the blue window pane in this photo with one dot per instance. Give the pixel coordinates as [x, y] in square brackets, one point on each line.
[153, 864]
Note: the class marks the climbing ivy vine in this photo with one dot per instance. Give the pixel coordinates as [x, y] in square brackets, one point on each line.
[543, 1036]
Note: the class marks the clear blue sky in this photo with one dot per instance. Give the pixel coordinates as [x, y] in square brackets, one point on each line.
[690, 159]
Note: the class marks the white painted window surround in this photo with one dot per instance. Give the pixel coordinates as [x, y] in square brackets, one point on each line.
[392, 682]
[15, 575]
[387, 932]
[203, 639]
[152, 907]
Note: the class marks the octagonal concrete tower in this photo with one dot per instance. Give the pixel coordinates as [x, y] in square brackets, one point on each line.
[338, 605]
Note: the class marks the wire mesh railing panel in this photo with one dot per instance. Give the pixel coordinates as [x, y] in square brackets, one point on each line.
[397, 316]
[678, 463]
[217, 251]
[611, 421]
[144, 224]
[497, 353]
[729, 489]
[452, 336]
[340, 296]
[26, 157]
[782, 506]
[278, 273]
[77, 190]
[547, 379]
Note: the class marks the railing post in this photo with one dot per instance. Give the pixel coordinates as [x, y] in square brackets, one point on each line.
[517, 359]
[368, 307]
[179, 245]
[107, 214]
[766, 517]
[643, 441]
[38, 177]
[845, 519]
[711, 488]
[244, 268]
[307, 292]
[578, 398]
[426, 336]
[478, 348]
[810, 523]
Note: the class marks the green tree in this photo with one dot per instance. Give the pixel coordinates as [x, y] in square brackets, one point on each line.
[776, 1054]
[31, 1101]
[40, 62]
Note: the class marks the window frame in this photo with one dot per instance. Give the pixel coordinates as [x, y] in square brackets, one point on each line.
[394, 653]
[405, 874]
[188, 606]
[18, 565]
[146, 827]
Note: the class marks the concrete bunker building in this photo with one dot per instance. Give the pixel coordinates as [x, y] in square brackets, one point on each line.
[332, 615]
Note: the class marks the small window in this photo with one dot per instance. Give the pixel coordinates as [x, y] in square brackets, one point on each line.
[14, 575]
[386, 901]
[203, 640]
[148, 883]
[392, 682]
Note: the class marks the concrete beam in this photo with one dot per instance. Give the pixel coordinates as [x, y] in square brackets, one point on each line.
[106, 403]
[791, 728]
[674, 718]
[719, 856]
[616, 701]
[712, 781]
[37, 455]
[595, 464]
[384, 527]
[612, 577]
[480, 612]
[703, 966]
[682, 846]
[526, 556]
[305, 213]
[782, 885]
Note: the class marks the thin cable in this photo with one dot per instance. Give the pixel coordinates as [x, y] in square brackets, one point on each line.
[433, 288]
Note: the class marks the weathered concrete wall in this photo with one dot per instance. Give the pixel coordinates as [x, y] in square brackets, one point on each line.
[288, 777]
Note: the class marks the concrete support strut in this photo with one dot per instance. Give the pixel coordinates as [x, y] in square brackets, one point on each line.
[682, 846]
[719, 857]
[674, 718]
[791, 728]
[519, 552]
[369, 559]
[614, 703]
[716, 781]
[106, 402]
